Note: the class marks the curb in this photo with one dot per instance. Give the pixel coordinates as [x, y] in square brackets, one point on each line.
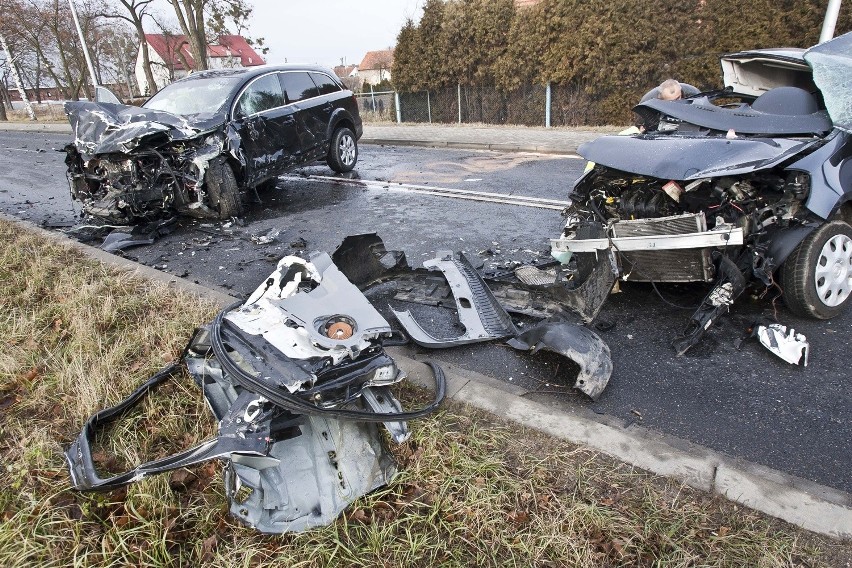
[497, 146]
[36, 126]
[801, 502]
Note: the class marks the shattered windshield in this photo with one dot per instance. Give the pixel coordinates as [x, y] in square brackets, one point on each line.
[194, 97]
[832, 66]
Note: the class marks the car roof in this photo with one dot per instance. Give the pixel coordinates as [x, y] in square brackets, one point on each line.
[249, 72]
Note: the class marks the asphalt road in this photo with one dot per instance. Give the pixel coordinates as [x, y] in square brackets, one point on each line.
[746, 403]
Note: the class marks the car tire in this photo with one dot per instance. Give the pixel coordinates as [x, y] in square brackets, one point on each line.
[343, 153]
[223, 193]
[817, 276]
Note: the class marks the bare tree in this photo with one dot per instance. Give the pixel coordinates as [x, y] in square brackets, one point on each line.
[136, 11]
[203, 20]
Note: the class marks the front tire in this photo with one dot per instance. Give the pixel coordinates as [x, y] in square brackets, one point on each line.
[223, 193]
[817, 276]
[343, 153]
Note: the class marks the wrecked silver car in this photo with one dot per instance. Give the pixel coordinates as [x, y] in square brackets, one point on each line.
[298, 380]
[200, 141]
[750, 184]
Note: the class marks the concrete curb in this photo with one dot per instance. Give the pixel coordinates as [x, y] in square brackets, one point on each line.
[61, 128]
[36, 126]
[499, 147]
[809, 505]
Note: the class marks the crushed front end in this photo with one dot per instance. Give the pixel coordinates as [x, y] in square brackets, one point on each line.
[129, 163]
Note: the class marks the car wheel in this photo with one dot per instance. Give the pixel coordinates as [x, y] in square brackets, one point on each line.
[223, 194]
[343, 153]
[817, 276]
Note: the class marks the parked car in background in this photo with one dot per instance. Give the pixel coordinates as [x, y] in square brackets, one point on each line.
[200, 141]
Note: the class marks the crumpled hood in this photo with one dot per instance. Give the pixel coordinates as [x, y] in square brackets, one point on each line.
[103, 128]
[684, 158]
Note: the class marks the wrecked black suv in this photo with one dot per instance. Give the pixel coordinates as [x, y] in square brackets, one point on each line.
[193, 146]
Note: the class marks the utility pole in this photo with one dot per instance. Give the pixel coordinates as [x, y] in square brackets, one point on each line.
[830, 21]
[85, 48]
[17, 75]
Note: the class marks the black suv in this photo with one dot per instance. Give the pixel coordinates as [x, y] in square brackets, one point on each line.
[194, 145]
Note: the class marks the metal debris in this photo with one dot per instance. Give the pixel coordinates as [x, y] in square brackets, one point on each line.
[298, 380]
[791, 346]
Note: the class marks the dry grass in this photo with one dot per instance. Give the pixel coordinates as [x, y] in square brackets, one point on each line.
[44, 113]
[473, 490]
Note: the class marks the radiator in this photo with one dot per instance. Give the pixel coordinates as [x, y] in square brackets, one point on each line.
[685, 265]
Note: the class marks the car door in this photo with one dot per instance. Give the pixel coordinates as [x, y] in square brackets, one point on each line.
[329, 101]
[267, 129]
[302, 95]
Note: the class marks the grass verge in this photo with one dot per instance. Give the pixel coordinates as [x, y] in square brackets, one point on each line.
[473, 490]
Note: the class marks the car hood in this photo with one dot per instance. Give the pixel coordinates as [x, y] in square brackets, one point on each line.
[832, 71]
[103, 128]
[685, 158]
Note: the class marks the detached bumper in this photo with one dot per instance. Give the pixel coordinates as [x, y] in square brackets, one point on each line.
[704, 239]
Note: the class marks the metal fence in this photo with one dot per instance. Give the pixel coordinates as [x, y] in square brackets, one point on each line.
[530, 105]
[379, 106]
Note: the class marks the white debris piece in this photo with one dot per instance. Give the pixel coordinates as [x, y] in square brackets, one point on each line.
[788, 345]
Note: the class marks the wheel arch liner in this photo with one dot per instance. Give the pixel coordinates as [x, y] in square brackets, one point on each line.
[576, 342]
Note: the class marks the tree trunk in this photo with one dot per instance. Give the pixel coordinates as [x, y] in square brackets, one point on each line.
[190, 16]
[146, 58]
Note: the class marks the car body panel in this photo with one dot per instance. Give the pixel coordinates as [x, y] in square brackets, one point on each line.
[682, 158]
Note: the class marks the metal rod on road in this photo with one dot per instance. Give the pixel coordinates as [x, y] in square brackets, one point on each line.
[516, 200]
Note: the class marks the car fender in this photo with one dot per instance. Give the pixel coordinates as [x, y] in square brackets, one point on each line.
[785, 241]
[340, 116]
[830, 171]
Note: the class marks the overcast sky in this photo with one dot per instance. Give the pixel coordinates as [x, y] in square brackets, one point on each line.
[324, 31]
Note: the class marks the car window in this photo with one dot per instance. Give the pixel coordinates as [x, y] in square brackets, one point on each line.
[194, 96]
[298, 86]
[324, 83]
[263, 94]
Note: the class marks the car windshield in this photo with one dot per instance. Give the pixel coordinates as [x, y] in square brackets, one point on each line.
[832, 65]
[197, 96]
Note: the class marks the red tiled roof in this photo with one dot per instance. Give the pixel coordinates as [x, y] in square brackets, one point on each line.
[168, 46]
[382, 59]
[344, 71]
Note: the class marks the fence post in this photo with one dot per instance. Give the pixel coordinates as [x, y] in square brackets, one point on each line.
[547, 107]
[459, 103]
[429, 107]
[372, 100]
[398, 110]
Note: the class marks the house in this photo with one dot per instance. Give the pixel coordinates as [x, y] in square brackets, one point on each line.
[172, 59]
[376, 67]
[349, 75]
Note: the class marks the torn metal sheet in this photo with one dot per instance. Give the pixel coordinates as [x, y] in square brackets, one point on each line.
[577, 343]
[479, 312]
[791, 346]
[297, 379]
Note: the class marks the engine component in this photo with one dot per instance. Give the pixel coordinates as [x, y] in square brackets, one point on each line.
[645, 203]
